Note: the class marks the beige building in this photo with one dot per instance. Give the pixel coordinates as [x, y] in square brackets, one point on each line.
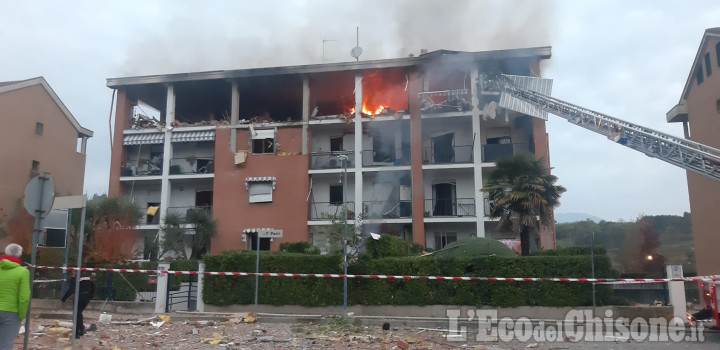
[38, 134]
[699, 111]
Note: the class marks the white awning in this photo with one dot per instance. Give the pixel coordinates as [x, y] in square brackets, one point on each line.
[272, 179]
[144, 139]
[193, 136]
[262, 134]
[256, 230]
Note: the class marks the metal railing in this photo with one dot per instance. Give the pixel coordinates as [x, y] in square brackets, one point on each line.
[142, 167]
[192, 165]
[387, 209]
[447, 207]
[448, 155]
[329, 160]
[495, 152]
[149, 219]
[330, 210]
[372, 158]
[183, 212]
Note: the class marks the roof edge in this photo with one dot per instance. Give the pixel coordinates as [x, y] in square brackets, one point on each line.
[710, 32]
[542, 52]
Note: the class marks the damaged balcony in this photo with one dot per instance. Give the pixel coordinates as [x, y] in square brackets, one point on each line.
[191, 165]
[445, 91]
[270, 99]
[507, 135]
[328, 211]
[387, 196]
[389, 209]
[447, 140]
[329, 143]
[390, 144]
[193, 153]
[144, 156]
[327, 198]
[202, 103]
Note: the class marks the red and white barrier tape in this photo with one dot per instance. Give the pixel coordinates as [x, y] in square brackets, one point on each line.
[400, 277]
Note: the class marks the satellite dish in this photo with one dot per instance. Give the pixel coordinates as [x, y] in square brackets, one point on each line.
[356, 52]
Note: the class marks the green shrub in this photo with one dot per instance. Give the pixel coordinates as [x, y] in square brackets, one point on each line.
[389, 246]
[310, 291]
[470, 247]
[571, 251]
[299, 247]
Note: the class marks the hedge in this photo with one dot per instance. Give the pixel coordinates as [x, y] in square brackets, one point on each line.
[227, 290]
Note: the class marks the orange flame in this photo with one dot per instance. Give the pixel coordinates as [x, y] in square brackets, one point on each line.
[369, 112]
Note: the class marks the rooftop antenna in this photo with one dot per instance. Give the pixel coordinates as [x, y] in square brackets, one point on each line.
[323, 48]
[357, 50]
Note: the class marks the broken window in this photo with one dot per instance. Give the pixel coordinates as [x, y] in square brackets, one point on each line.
[336, 195]
[39, 128]
[263, 141]
[260, 192]
[708, 69]
[444, 238]
[336, 144]
[35, 168]
[271, 98]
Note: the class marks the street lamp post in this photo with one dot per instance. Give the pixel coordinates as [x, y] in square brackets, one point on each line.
[344, 158]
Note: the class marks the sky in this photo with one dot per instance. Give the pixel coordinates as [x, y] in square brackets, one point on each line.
[627, 59]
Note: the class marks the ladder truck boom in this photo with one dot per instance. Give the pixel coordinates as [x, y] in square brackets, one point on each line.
[690, 155]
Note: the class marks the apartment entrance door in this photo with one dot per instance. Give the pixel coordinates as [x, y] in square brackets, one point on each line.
[444, 199]
[443, 151]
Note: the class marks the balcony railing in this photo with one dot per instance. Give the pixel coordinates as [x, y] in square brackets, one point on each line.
[142, 167]
[329, 160]
[191, 165]
[183, 212]
[447, 207]
[374, 158]
[387, 209]
[448, 155]
[330, 210]
[495, 152]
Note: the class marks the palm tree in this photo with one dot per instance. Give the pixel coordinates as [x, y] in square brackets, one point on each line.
[524, 195]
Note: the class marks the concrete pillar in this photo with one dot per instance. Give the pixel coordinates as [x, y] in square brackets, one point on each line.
[201, 277]
[477, 156]
[162, 284]
[416, 163]
[234, 115]
[358, 145]
[676, 290]
[83, 145]
[305, 113]
[167, 156]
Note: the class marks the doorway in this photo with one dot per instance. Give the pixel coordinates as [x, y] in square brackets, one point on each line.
[443, 151]
[444, 194]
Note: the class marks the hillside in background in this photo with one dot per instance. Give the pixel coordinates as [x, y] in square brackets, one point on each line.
[625, 241]
[562, 218]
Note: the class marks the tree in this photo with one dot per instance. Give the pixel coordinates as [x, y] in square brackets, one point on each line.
[110, 229]
[524, 194]
[334, 232]
[191, 242]
[639, 253]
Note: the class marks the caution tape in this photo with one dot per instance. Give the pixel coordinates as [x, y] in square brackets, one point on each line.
[398, 277]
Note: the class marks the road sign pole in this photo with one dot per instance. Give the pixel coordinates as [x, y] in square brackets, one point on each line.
[39, 213]
[81, 237]
[257, 270]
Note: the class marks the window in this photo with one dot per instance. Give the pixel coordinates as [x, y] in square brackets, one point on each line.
[35, 168]
[699, 77]
[444, 238]
[260, 192]
[708, 69]
[263, 141]
[264, 243]
[717, 53]
[336, 144]
[336, 195]
[39, 128]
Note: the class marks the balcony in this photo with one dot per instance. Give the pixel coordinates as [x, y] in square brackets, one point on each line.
[330, 210]
[448, 155]
[493, 153]
[450, 208]
[192, 165]
[387, 209]
[371, 158]
[142, 167]
[329, 160]
[183, 212]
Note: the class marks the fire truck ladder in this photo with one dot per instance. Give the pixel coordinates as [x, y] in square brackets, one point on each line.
[692, 156]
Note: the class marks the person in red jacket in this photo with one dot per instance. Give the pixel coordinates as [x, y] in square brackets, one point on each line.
[14, 294]
[87, 291]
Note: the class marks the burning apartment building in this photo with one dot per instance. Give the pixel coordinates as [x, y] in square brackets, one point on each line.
[269, 147]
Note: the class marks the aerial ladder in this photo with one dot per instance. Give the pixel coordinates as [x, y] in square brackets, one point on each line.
[689, 155]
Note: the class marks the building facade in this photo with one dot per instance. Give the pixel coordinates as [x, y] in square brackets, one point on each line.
[699, 112]
[39, 134]
[271, 147]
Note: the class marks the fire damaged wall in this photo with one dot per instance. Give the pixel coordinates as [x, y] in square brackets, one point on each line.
[288, 210]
